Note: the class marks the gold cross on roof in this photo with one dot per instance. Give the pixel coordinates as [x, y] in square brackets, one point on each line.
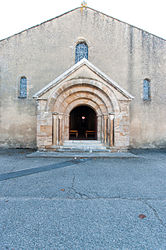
[84, 4]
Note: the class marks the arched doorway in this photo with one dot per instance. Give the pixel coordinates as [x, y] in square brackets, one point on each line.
[83, 123]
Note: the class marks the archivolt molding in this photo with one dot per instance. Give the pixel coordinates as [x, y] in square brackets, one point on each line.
[83, 101]
[99, 104]
[95, 87]
[63, 101]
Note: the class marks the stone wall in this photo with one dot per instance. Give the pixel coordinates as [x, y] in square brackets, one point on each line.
[127, 54]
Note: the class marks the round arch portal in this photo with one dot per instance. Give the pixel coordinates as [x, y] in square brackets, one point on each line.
[83, 109]
[82, 123]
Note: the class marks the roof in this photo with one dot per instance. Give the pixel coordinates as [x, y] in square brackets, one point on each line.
[73, 69]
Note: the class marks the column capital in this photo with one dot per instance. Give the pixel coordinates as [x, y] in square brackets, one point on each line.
[55, 113]
[111, 116]
[105, 116]
[60, 115]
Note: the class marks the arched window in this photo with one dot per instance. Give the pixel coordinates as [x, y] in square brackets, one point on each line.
[146, 90]
[81, 51]
[23, 87]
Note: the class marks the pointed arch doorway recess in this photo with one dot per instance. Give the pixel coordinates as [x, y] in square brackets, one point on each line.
[83, 123]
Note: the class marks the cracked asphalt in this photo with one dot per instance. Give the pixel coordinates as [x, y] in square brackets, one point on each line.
[49, 203]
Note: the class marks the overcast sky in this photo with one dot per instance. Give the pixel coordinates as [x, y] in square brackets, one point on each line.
[17, 15]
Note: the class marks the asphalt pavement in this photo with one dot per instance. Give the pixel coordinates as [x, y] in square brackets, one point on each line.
[110, 203]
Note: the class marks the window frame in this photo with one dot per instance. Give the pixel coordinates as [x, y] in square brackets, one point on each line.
[146, 90]
[85, 51]
[23, 87]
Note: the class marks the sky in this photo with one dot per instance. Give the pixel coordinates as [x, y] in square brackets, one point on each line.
[17, 15]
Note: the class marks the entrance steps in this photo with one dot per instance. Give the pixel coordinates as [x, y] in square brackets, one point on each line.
[82, 146]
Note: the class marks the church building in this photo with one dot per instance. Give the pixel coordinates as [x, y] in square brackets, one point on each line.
[85, 77]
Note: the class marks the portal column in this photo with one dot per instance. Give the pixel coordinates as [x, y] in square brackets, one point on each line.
[105, 129]
[66, 127]
[55, 131]
[102, 129]
[61, 130]
[111, 129]
[99, 128]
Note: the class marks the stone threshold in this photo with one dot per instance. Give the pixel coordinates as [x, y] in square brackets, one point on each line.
[47, 154]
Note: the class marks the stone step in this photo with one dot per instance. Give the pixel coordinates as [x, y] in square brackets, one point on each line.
[82, 146]
[82, 142]
[85, 141]
[74, 155]
[82, 150]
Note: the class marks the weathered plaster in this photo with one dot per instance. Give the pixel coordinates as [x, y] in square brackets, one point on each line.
[126, 54]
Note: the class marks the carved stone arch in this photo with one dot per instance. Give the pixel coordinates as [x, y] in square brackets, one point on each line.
[104, 87]
[86, 102]
[61, 102]
[95, 85]
[81, 91]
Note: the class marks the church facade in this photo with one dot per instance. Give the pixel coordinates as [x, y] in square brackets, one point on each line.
[83, 76]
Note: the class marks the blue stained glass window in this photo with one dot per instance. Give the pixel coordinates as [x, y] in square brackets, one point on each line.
[81, 51]
[23, 87]
[146, 90]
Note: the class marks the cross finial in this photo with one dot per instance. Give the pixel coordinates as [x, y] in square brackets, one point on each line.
[84, 4]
